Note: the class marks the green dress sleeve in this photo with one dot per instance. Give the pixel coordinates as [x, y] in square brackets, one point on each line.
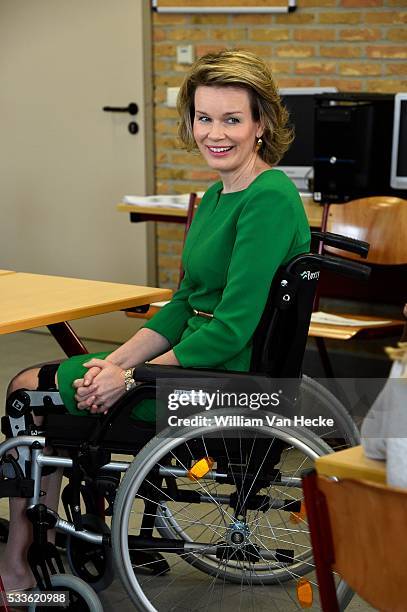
[267, 234]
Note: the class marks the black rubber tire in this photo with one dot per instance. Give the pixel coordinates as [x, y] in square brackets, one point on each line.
[82, 597]
[80, 554]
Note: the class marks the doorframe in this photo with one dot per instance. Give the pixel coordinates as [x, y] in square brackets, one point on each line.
[149, 153]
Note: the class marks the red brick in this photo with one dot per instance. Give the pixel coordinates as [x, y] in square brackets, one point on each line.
[228, 34]
[387, 51]
[252, 19]
[209, 19]
[397, 34]
[296, 82]
[280, 67]
[190, 35]
[340, 51]
[295, 50]
[356, 34]
[383, 17]
[295, 18]
[340, 17]
[399, 68]
[360, 69]
[317, 3]
[342, 84]
[386, 86]
[309, 34]
[316, 67]
[164, 50]
[269, 34]
[360, 3]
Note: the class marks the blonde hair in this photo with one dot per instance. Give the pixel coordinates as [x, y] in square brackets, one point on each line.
[238, 69]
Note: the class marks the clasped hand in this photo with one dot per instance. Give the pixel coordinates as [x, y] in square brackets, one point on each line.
[100, 387]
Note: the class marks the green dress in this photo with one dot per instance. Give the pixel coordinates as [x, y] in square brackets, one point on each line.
[234, 247]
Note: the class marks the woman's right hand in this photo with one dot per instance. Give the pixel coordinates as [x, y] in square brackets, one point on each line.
[82, 385]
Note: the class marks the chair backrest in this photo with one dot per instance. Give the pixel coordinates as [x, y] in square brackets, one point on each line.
[381, 221]
[368, 524]
[192, 208]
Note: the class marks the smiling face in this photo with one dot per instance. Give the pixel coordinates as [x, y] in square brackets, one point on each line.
[224, 129]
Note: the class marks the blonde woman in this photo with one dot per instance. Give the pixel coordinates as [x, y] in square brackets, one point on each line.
[249, 223]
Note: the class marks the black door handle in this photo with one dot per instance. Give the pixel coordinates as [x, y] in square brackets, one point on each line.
[132, 109]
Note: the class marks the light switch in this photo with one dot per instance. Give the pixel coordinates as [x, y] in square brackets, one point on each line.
[172, 93]
[185, 54]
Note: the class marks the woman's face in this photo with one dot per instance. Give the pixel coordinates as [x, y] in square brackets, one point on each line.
[224, 129]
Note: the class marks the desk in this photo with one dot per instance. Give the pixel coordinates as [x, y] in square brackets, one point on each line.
[177, 215]
[351, 463]
[33, 300]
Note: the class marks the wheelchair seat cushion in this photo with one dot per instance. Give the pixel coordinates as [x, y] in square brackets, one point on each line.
[73, 368]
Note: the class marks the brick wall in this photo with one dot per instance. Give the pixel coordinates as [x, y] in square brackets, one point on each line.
[355, 45]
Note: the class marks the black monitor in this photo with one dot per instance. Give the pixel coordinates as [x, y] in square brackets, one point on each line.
[398, 173]
[297, 163]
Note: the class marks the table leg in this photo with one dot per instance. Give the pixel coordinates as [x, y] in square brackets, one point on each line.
[67, 339]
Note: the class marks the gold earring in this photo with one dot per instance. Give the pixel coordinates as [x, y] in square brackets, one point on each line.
[259, 143]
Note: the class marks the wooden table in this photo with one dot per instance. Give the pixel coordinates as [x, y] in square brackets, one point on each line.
[351, 463]
[178, 215]
[34, 300]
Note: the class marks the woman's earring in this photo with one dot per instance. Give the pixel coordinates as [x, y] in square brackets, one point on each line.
[259, 143]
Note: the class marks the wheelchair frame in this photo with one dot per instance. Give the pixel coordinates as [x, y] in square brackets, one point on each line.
[278, 348]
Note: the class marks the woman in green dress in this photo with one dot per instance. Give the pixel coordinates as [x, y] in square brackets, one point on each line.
[247, 225]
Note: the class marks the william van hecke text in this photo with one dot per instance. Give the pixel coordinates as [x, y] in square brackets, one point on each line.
[238, 420]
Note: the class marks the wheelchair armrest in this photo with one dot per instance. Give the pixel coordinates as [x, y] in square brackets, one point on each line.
[152, 373]
[345, 267]
[345, 243]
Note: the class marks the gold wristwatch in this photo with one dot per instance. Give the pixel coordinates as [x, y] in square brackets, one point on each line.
[129, 381]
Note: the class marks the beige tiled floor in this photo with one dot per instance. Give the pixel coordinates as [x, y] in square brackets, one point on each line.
[18, 351]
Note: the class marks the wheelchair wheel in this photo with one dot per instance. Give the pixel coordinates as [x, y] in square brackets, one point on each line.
[317, 400]
[82, 598]
[242, 523]
[91, 562]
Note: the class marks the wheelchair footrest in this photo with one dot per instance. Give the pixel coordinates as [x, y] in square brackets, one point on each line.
[17, 487]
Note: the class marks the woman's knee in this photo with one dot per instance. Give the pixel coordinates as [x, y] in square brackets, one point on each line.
[26, 379]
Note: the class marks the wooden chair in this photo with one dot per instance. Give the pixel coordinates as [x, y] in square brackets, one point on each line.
[382, 222]
[358, 529]
[141, 313]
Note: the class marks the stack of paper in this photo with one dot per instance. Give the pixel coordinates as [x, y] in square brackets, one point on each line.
[160, 201]
[331, 319]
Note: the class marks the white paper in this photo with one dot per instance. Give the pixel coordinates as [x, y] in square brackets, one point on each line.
[161, 201]
[331, 319]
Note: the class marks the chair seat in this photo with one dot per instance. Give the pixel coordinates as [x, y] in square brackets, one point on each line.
[334, 326]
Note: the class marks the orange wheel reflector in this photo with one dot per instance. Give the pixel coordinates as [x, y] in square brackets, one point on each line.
[305, 594]
[299, 517]
[201, 468]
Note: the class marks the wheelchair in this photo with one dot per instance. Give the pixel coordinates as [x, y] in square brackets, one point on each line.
[206, 515]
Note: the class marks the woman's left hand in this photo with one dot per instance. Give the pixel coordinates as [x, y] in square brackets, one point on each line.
[105, 388]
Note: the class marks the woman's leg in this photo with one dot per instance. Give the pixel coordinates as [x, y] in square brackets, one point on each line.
[14, 569]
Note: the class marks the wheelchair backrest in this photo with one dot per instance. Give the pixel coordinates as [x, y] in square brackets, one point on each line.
[280, 338]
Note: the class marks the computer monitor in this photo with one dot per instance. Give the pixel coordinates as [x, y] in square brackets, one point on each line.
[398, 172]
[297, 163]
